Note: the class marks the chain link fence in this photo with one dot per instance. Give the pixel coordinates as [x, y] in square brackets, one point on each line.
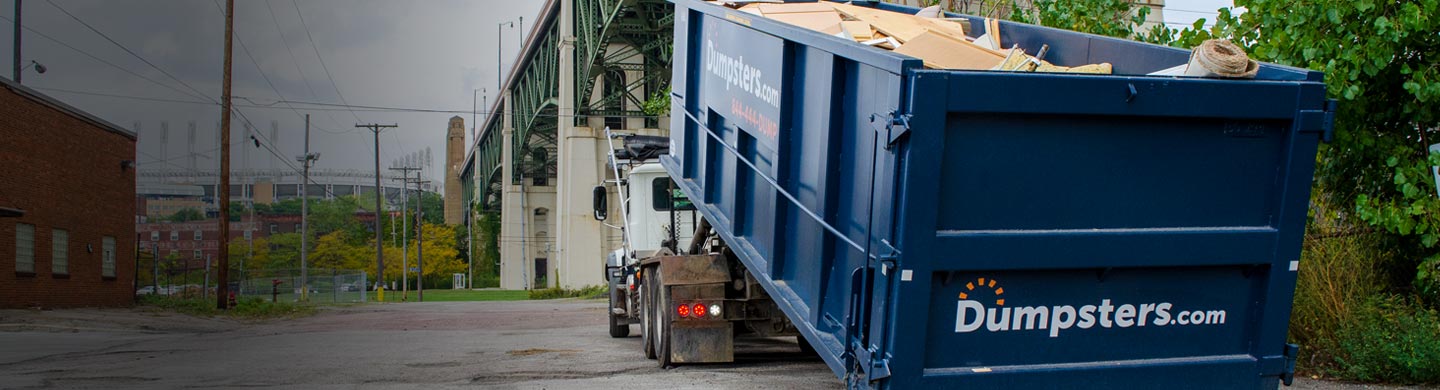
[324, 285]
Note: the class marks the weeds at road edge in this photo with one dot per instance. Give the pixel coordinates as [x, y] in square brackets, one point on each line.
[588, 292]
[250, 308]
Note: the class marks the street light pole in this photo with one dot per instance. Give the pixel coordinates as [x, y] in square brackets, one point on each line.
[420, 236]
[499, 45]
[404, 231]
[305, 161]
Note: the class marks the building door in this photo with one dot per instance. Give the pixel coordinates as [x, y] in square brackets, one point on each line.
[541, 273]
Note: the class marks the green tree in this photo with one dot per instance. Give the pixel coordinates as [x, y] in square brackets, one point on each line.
[1380, 61]
[186, 215]
[334, 251]
[1116, 18]
[284, 251]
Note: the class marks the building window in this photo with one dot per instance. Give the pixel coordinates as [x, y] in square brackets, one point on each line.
[199, 235]
[155, 235]
[174, 235]
[249, 234]
[297, 228]
[274, 228]
[60, 252]
[197, 254]
[25, 248]
[107, 263]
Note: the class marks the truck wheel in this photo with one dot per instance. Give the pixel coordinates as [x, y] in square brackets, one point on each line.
[662, 322]
[618, 327]
[647, 313]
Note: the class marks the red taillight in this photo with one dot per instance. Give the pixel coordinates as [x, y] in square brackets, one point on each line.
[699, 310]
[684, 310]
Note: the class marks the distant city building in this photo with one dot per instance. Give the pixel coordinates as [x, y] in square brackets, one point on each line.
[67, 205]
[267, 186]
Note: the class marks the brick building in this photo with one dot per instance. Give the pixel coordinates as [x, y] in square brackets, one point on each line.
[67, 205]
[192, 242]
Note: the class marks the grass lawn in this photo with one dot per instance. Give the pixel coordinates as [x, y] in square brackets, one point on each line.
[448, 295]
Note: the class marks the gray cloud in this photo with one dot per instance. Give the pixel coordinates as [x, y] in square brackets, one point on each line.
[427, 54]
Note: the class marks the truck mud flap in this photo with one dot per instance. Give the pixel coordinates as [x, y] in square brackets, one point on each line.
[702, 342]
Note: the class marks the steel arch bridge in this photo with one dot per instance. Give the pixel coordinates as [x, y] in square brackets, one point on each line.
[609, 36]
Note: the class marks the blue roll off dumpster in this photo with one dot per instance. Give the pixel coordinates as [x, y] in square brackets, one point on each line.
[975, 229]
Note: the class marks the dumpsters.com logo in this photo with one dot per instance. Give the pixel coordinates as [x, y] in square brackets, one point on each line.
[991, 314]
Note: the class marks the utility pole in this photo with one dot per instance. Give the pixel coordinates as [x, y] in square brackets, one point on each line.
[16, 58]
[222, 292]
[155, 281]
[379, 194]
[306, 160]
[404, 231]
[420, 237]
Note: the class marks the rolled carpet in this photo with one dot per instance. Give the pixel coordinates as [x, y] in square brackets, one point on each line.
[1221, 58]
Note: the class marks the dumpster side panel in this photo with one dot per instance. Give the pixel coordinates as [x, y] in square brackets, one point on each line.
[758, 120]
[1125, 231]
[1111, 247]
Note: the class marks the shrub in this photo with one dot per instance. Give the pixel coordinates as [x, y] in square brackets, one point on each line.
[1337, 274]
[1391, 340]
[246, 308]
[588, 292]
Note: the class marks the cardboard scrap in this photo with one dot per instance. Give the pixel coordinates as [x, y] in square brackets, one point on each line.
[858, 30]
[814, 16]
[791, 8]
[944, 52]
[1101, 68]
[940, 43]
[900, 26]
[826, 22]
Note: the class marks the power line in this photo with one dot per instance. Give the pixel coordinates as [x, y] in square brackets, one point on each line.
[294, 61]
[103, 61]
[336, 107]
[126, 49]
[311, 39]
[246, 49]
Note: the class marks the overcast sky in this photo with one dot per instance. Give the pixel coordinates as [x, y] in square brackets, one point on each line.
[422, 54]
[1182, 13]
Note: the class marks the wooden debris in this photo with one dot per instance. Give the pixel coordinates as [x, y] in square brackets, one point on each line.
[814, 16]
[900, 26]
[944, 52]
[1102, 68]
[858, 30]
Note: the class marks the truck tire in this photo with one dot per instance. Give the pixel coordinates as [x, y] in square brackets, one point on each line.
[662, 321]
[647, 312]
[619, 328]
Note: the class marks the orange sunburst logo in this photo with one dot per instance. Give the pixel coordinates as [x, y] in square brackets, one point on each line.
[983, 283]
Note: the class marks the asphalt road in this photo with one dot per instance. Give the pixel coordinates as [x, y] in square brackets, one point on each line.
[525, 344]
